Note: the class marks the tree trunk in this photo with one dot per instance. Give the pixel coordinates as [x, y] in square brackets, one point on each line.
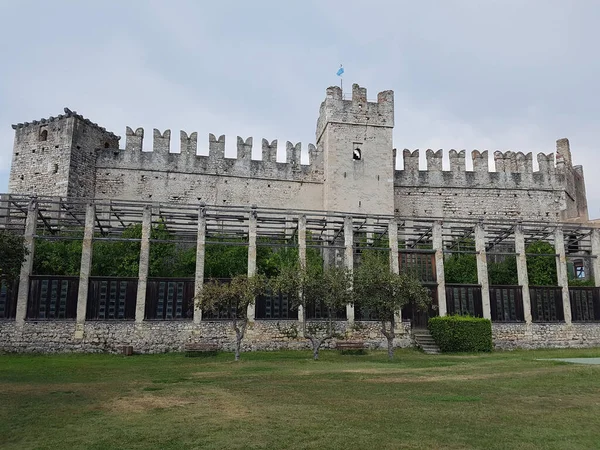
[390, 341]
[316, 346]
[239, 335]
[389, 335]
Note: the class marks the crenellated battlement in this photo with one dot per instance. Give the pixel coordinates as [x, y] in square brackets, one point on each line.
[189, 161]
[351, 168]
[67, 114]
[504, 162]
[357, 111]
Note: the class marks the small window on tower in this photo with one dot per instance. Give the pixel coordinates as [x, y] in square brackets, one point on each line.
[43, 135]
[106, 145]
[356, 152]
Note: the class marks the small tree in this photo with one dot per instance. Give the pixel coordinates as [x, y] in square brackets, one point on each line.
[313, 286]
[234, 296]
[384, 293]
[541, 270]
[13, 251]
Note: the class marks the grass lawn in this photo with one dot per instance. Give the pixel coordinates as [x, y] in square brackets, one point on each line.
[504, 400]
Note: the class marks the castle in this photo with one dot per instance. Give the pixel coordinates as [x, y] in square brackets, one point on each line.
[70, 180]
[352, 168]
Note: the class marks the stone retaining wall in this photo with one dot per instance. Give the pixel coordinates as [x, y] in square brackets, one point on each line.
[508, 336]
[159, 337]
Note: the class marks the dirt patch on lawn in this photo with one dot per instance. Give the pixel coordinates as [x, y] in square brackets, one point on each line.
[209, 374]
[144, 403]
[466, 377]
[226, 403]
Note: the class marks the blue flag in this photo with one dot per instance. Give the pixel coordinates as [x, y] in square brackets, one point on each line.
[340, 71]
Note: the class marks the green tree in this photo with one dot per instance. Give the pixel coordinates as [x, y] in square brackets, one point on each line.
[235, 296]
[541, 270]
[13, 251]
[57, 257]
[311, 286]
[503, 272]
[384, 293]
[460, 268]
[121, 258]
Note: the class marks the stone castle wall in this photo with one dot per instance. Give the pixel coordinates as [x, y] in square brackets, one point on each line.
[78, 158]
[214, 179]
[552, 193]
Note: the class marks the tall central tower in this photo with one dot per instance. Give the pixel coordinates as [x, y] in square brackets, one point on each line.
[355, 139]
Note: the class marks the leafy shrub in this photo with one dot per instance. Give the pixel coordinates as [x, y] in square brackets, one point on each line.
[461, 333]
[541, 269]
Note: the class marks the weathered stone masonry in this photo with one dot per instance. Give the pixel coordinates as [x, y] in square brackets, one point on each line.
[351, 168]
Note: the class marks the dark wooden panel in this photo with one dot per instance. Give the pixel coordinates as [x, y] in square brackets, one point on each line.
[464, 299]
[274, 306]
[8, 299]
[111, 298]
[169, 299]
[506, 304]
[52, 298]
[546, 304]
[419, 264]
[585, 304]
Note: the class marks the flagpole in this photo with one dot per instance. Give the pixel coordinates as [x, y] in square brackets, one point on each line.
[339, 73]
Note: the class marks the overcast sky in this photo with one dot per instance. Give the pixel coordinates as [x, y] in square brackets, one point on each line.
[473, 74]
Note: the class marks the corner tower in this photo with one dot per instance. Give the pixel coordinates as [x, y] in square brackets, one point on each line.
[355, 139]
[57, 156]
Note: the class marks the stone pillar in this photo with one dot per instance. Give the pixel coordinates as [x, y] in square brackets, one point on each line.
[301, 258]
[200, 253]
[140, 304]
[27, 266]
[369, 224]
[438, 246]
[482, 271]
[561, 272]
[596, 256]
[394, 263]
[252, 255]
[349, 260]
[522, 275]
[85, 269]
[393, 241]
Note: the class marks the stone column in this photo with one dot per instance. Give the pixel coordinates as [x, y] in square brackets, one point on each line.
[301, 258]
[349, 260]
[596, 256]
[140, 304]
[522, 275]
[369, 225]
[27, 266]
[85, 269]
[438, 246]
[200, 253]
[394, 263]
[561, 272]
[482, 271]
[252, 255]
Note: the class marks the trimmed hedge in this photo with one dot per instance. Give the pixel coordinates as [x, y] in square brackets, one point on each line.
[461, 333]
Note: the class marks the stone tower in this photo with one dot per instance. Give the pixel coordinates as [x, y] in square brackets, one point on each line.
[56, 156]
[355, 140]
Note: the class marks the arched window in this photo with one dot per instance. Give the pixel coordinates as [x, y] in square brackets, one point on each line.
[44, 135]
[106, 145]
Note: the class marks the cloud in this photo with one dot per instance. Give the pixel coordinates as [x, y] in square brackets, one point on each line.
[467, 74]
